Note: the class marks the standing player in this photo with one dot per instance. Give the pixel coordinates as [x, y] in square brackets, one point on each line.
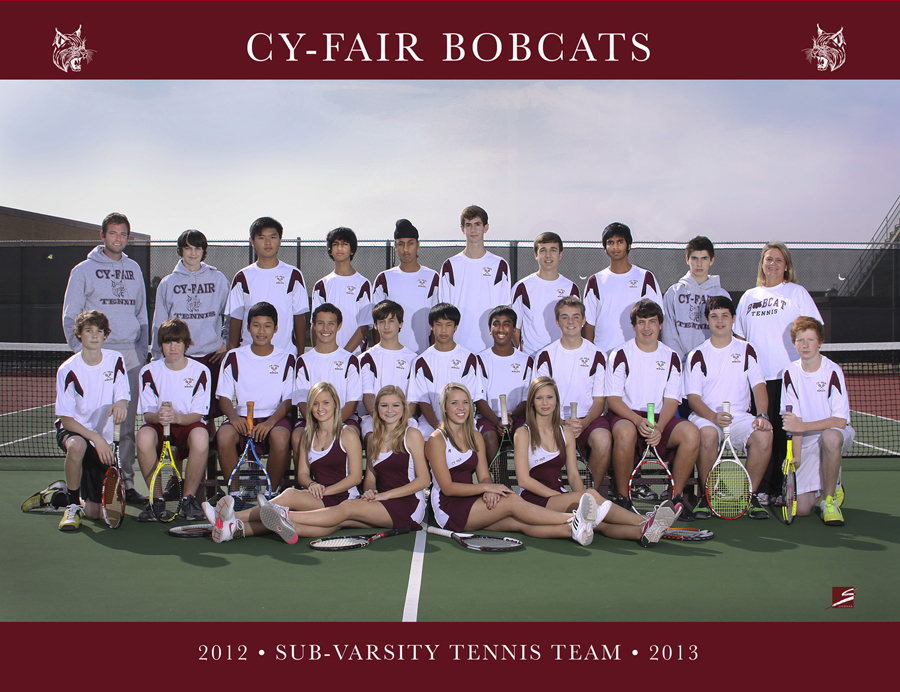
[411, 285]
[646, 371]
[347, 289]
[91, 396]
[610, 294]
[263, 374]
[722, 369]
[475, 281]
[271, 281]
[503, 370]
[535, 296]
[389, 362]
[439, 365]
[820, 422]
[579, 370]
[111, 283]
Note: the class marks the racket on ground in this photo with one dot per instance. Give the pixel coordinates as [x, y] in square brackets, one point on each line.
[688, 534]
[728, 484]
[353, 542]
[165, 485]
[249, 477]
[113, 491]
[651, 481]
[789, 484]
[191, 531]
[472, 541]
[500, 468]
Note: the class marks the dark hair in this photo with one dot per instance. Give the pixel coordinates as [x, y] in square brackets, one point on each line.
[801, 324]
[645, 308]
[719, 303]
[91, 318]
[263, 309]
[115, 217]
[174, 329]
[194, 238]
[548, 237]
[471, 212]
[443, 311]
[330, 308]
[341, 233]
[699, 243]
[617, 229]
[387, 308]
[502, 311]
[568, 302]
[263, 222]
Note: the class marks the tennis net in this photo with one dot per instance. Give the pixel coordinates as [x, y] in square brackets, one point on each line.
[28, 392]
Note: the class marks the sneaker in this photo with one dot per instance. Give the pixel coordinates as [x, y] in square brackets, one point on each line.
[702, 510]
[43, 498]
[209, 512]
[133, 497]
[223, 528]
[832, 515]
[148, 514]
[190, 509]
[839, 495]
[756, 510]
[623, 502]
[687, 514]
[71, 520]
[643, 492]
[659, 522]
[275, 518]
[764, 499]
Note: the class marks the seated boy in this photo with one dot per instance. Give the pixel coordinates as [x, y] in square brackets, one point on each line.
[639, 372]
[721, 369]
[579, 370]
[389, 362]
[503, 370]
[92, 395]
[439, 365]
[260, 373]
[174, 391]
[820, 422]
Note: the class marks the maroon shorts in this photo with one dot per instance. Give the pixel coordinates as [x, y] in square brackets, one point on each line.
[599, 423]
[666, 454]
[214, 410]
[262, 448]
[483, 425]
[178, 433]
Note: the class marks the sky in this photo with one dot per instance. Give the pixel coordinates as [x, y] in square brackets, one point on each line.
[734, 160]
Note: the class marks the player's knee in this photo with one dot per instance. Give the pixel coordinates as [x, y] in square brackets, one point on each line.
[832, 441]
[227, 436]
[600, 441]
[76, 447]
[198, 441]
[624, 433]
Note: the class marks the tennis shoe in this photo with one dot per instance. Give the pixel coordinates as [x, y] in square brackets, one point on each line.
[643, 492]
[839, 495]
[832, 515]
[764, 499]
[190, 509]
[276, 519]
[756, 510]
[583, 520]
[209, 512]
[226, 522]
[659, 522]
[702, 510]
[71, 520]
[623, 502]
[133, 497]
[43, 498]
[687, 513]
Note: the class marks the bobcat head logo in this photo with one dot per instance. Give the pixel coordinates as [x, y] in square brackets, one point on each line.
[828, 51]
[69, 51]
[694, 312]
[193, 303]
[118, 288]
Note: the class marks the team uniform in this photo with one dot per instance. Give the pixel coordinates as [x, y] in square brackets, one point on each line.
[379, 367]
[352, 295]
[724, 374]
[475, 286]
[435, 369]
[816, 396]
[453, 512]
[510, 375]
[339, 367]
[394, 470]
[417, 293]
[329, 467]
[684, 325]
[545, 468]
[282, 286]
[87, 393]
[608, 299]
[187, 389]
[534, 300]
[579, 373]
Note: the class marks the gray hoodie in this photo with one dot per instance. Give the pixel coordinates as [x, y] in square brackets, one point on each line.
[684, 304]
[198, 298]
[115, 288]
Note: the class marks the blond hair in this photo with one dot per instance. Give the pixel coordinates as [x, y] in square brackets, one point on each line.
[312, 425]
[468, 426]
[531, 417]
[790, 275]
[379, 427]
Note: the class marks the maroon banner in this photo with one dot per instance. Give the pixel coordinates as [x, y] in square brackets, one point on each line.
[449, 40]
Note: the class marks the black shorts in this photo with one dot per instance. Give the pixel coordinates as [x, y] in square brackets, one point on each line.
[93, 470]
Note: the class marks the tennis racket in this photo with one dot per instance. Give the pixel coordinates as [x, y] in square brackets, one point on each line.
[651, 481]
[683, 534]
[728, 483]
[191, 531]
[249, 477]
[489, 544]
[165, 485]
[113, 491]
[789, 484]
[500, 470]
[353, 542]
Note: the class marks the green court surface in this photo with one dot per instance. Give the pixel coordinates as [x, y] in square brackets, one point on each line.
[752, 571]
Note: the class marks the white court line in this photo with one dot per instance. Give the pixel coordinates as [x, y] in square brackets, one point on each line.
[25, 410]
[411, 606]
[30, 437]
[880, 449]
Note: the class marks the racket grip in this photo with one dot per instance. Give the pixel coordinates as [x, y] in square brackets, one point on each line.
[250, 405]
[651, 415]
[166, 430]
[117, 432]
[788, 409]
[726, 408]
[504, 414]
[573, 410]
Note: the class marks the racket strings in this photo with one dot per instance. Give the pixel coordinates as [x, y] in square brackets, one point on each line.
[340, 542]
[489, 542]
[167, 489]
[728, 489]
[249, 481]
[650, 485]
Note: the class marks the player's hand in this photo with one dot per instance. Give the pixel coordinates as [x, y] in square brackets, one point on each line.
[370, 495]
[792, 423]
[645, 429]
[497, 489]
[503, 430]
[317, 490]
[217, 356]
[490, 500]
[576, 425]
[240, 424]
[762, 424]
[261, 430]
[119, 412]
[166, 413]
[723, 420]
[655, 438]
[104, 451]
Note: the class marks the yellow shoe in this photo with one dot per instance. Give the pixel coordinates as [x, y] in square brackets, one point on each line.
[832, 514]
[839, 495]
[71, 520]
[42, 500]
